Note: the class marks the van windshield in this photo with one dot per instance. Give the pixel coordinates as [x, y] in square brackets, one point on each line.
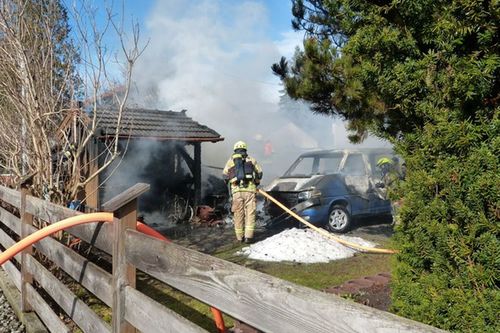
[308, 166]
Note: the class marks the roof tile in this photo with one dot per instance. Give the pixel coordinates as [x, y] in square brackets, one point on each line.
[155, 124]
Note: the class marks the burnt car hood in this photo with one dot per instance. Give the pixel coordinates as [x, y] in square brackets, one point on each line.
[291, 184]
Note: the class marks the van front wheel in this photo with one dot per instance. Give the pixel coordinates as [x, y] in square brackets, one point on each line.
[339, 220]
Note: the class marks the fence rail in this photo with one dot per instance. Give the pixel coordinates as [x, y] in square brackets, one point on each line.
[264, 302]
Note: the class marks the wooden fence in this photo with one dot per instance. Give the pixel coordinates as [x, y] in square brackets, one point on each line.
[262, 301]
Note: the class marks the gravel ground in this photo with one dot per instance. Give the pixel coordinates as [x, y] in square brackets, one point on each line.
[8, 320]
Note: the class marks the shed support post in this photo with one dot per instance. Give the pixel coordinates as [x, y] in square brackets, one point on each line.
[197, 173]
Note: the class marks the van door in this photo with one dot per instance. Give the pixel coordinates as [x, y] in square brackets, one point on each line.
[357, 183]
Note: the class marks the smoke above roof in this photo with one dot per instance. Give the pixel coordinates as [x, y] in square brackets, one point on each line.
[213, 58]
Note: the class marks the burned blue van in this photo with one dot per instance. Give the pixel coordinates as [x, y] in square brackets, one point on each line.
[332, 188]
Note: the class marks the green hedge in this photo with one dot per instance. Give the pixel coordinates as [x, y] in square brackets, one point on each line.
[448, 271]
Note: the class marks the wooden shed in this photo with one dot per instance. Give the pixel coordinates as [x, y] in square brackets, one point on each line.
[173, 129]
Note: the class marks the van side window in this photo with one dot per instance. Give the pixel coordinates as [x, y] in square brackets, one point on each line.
[329, 164]
[354, 165]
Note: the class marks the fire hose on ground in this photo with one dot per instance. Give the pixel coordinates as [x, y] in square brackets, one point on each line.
[323, 231]
[82, 219]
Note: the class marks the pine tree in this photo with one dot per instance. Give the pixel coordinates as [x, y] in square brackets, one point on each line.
[423, 74]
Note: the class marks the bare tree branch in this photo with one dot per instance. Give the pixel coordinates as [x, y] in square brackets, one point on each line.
[40, 73]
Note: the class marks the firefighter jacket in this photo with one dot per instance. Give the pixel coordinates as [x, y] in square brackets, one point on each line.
[243, 173]
[387, 180]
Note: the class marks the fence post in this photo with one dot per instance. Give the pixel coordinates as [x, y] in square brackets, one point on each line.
[124, 207]
[26, 223]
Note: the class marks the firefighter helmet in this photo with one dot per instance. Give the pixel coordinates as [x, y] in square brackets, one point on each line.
[384, 160]
[240, 145]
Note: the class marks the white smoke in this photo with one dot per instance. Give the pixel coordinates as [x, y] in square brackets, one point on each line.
[213, 58]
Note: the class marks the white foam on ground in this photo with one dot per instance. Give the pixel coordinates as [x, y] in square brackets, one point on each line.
[302, 246]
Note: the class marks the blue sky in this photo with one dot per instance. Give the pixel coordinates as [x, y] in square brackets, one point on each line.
[270, 23]
[279, 12]
[239, 40]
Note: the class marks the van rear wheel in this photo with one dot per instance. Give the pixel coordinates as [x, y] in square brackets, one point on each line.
[339, 220]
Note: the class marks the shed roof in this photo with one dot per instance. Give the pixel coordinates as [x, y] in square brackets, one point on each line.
[155, 125]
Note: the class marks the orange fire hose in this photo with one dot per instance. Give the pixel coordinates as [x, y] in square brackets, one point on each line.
[323, 231]
[50, 229]
[82, 219]
[219, 320]
[141, 227]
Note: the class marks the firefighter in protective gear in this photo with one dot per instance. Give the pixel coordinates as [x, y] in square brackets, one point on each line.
[387, 175]
[243, 173]
[390, 174]
[389, 171]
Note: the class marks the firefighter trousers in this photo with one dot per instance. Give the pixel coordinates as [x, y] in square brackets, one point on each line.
[244, 208]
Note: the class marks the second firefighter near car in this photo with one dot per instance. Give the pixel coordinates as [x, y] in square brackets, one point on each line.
[243, 173]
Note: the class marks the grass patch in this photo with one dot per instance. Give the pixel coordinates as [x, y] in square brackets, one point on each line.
[316, 276]
[324, 275]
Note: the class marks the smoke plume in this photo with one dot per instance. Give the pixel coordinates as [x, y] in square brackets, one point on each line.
[213, 58]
